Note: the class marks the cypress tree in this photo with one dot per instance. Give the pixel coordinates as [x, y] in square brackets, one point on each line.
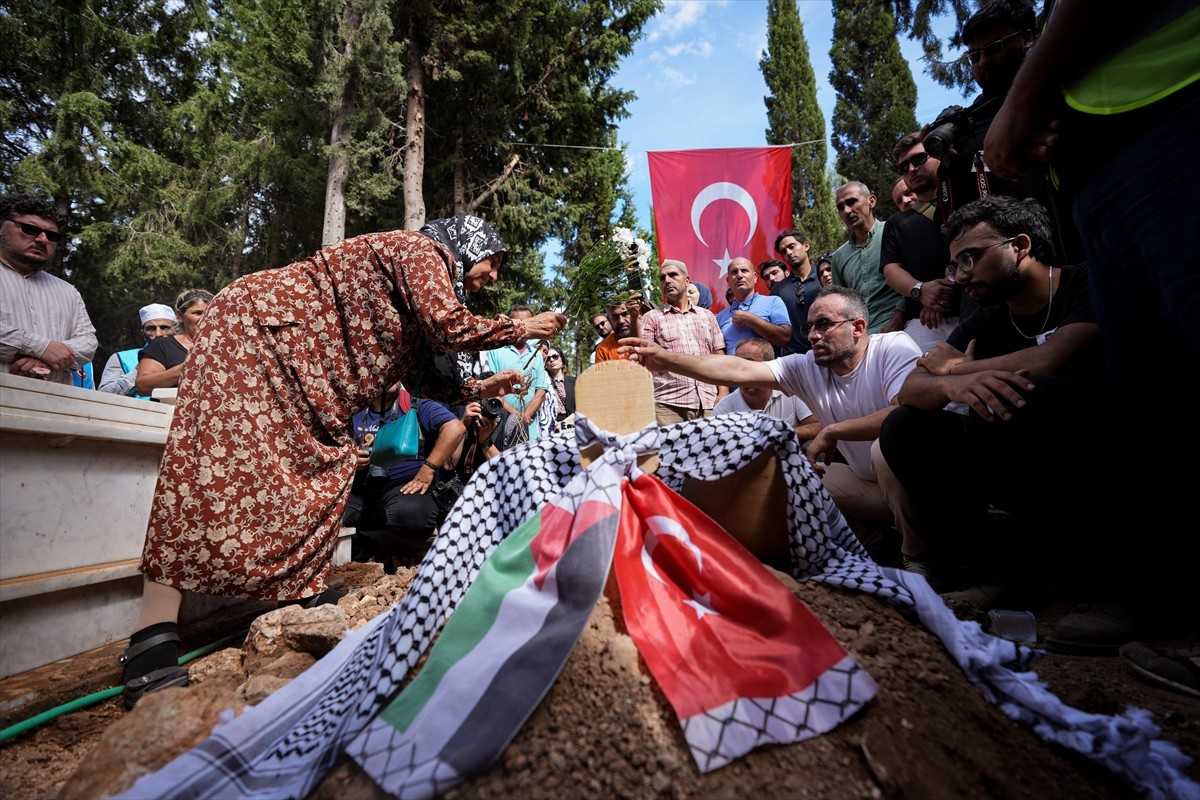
[794, 116]
[875, 95]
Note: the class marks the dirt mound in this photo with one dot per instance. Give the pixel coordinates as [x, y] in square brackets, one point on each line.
[605, 730]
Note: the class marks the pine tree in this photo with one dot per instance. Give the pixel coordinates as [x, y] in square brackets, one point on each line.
[875, 95]
[794, 116]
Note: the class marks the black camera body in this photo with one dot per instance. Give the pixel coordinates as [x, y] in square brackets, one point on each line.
[491, 407]
[950, 126]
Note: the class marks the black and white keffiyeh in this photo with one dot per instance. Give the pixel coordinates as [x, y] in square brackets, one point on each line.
[284, 746]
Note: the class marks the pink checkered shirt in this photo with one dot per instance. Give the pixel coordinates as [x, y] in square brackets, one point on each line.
[695, 332]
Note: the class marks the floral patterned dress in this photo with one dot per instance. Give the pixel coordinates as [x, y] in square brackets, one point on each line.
[259, 458]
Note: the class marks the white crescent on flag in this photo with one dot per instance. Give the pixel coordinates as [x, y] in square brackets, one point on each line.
[724, 190]
[666, 526]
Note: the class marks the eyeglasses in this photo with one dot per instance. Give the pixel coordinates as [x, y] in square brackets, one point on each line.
[991, 49]
[148, 328]
[912, 161]
[33, 231]
[553, 357]
[821, 326]
[965, 260]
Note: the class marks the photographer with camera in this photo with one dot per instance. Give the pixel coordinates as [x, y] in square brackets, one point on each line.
[481, 419]
[396, 508]
[997, 37]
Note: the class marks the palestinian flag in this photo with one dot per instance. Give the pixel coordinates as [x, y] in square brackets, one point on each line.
[498, 655]
[740, 659]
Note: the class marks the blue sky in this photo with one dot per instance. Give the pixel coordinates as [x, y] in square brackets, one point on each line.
[698, 84]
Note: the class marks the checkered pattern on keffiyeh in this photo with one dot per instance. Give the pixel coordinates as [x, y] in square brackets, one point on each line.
[284, 746]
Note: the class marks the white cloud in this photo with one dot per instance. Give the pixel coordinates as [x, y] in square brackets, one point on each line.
[698, 49]
[674, 77]
[677, 16]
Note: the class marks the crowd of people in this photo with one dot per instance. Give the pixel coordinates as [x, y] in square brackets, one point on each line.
[957, 362]
[964, 357]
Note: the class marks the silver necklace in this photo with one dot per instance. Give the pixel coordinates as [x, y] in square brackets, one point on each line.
[1045, 322]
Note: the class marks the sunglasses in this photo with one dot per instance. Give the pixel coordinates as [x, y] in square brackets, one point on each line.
[991, 49]
[912, 161]
[33, 231]
[821, 326]
[553, 357]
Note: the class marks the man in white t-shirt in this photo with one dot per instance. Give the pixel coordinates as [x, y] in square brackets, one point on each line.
[771, 402]
[849, 379]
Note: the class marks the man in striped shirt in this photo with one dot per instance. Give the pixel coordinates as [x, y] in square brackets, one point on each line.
[45, 331]
[681, 326]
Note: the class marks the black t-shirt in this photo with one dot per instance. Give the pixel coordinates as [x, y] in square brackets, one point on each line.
[166, 350]
[916, 242]
[994, 329]
[797, 295]
[967, 181]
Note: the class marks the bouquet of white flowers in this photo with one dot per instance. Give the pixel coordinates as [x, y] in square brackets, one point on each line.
[617, 266]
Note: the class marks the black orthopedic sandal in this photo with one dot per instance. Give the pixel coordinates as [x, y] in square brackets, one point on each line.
[155, 680]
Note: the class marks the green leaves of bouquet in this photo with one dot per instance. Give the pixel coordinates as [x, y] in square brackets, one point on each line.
[618, 265]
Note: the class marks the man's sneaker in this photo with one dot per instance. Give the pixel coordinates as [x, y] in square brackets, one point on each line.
[1093, 629]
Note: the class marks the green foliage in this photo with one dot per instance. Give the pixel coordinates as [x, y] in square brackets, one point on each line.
[190, 141]
[875, 95]
[794, 116]
[916, 18]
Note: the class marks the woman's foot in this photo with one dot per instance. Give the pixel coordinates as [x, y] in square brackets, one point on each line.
[151, 662]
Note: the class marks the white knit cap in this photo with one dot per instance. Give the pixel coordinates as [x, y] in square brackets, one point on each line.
[157, 311]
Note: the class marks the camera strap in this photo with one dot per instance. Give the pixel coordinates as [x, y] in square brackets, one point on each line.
[981, 176]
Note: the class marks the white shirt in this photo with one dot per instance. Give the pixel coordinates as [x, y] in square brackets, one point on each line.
[872, 385]
[37, 309]
[791, 410]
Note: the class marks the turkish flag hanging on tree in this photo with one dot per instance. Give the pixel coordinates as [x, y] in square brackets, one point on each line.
[711, 206]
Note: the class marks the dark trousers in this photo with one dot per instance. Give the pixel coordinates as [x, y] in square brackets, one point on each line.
[1039, 467]
[388, 520]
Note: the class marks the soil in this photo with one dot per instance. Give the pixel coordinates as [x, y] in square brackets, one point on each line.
[604, 730]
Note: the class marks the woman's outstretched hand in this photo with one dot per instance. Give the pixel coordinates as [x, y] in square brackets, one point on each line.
[510, 381]
[545, 325]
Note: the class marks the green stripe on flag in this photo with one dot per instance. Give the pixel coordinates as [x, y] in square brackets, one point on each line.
[508, 568]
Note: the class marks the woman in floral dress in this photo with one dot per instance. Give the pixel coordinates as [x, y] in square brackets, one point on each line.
[259, 458]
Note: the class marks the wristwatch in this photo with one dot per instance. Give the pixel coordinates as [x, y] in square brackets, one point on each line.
[915, 291]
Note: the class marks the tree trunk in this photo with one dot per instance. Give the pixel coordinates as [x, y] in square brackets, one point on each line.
[243, 230]
[333, 228]
[414, 144]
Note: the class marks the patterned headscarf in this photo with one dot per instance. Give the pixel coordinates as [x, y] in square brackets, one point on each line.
[469, 238]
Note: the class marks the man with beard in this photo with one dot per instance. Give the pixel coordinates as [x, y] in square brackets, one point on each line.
[849, 379]
[45, 331]
[619, 316]
[913, 255]
[681, 325]
[998, 38]
[1022, 376]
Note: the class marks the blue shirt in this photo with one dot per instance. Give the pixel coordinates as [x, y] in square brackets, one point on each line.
[431, 416]
[765, 306]
[508, 357]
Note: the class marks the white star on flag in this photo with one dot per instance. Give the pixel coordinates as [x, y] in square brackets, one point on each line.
[702, 605]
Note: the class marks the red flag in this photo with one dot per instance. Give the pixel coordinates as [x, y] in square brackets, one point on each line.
[712, 623]
[711, 206]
